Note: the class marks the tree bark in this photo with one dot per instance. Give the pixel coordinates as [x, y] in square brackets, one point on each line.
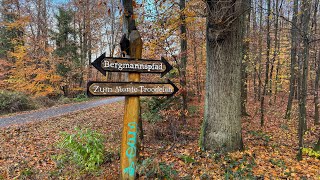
[183, 62]
[255, 72]
[196, 67]
[305, 17]
[260, 53]
[316, 96]
[88, 34]
[221, 128]
[317, 146]
[317, 59]
[294, 44]
[266, 81]
[244, 63]
[275, 51]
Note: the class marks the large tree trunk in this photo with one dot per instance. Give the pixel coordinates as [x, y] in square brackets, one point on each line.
[294, 33]
[221, 128]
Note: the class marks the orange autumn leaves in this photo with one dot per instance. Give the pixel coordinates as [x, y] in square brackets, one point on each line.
[33, 75]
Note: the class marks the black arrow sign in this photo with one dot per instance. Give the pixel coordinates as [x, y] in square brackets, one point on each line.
[98, 88]
[111, 64]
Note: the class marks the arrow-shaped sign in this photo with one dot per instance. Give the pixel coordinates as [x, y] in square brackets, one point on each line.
[111, 64]
[98, 88]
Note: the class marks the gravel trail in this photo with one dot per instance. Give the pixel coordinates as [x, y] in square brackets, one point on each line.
[54, 112]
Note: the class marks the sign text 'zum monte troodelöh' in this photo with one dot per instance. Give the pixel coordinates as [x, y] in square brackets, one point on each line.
[111, 64]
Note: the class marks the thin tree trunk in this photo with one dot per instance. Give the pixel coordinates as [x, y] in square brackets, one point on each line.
[255, 73]
[305, 17]
[277, 75]
[277, 47]
[317, 59]
[183, 46]
[196, 68]
[260, 52]
[294, 34]
[265, 87]
[275, 51]
[89, 36]
[84, 51]
[317, 146]
[316, 94]
[244, 63]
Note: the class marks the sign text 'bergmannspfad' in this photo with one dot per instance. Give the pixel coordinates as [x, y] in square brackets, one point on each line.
[111, 64]
[131, 89]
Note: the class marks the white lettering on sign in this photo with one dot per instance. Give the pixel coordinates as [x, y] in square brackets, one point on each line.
[102, 89]
[156, 89]
[134, 66]
[141, 89]
[130, 89]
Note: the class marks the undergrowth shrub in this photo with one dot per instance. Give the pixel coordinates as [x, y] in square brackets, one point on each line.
[85, 148]
[80, 97]
[310, 152]
[43, 101]
[68, 100]
[14, 101]
[239, 168]
[150, 168]
[153, 106]
[193, 110]
[261, 135]
[64, 100]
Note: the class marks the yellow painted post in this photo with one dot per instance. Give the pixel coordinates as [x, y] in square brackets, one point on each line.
[129, 148]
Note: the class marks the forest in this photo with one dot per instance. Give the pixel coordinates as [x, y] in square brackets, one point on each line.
[246, 107]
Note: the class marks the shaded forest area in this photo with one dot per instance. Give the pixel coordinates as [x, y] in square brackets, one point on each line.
[254, 58]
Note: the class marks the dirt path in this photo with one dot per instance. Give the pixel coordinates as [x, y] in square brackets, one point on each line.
[54, 111]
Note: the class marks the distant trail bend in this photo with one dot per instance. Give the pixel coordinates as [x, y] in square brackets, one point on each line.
[54, 112]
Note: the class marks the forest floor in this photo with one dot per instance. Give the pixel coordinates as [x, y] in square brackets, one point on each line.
[27, 151]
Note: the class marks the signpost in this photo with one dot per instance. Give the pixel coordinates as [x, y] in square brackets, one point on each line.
[132, 90]
[111, 64]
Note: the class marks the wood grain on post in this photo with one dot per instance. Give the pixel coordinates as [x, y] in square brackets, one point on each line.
[129, 148]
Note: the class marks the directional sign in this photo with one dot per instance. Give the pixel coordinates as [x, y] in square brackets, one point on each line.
[111, 64]
[97, 88]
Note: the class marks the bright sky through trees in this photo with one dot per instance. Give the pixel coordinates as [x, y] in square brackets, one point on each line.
[59, 1]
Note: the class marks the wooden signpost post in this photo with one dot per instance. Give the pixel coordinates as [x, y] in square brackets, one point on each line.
[132, 90]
